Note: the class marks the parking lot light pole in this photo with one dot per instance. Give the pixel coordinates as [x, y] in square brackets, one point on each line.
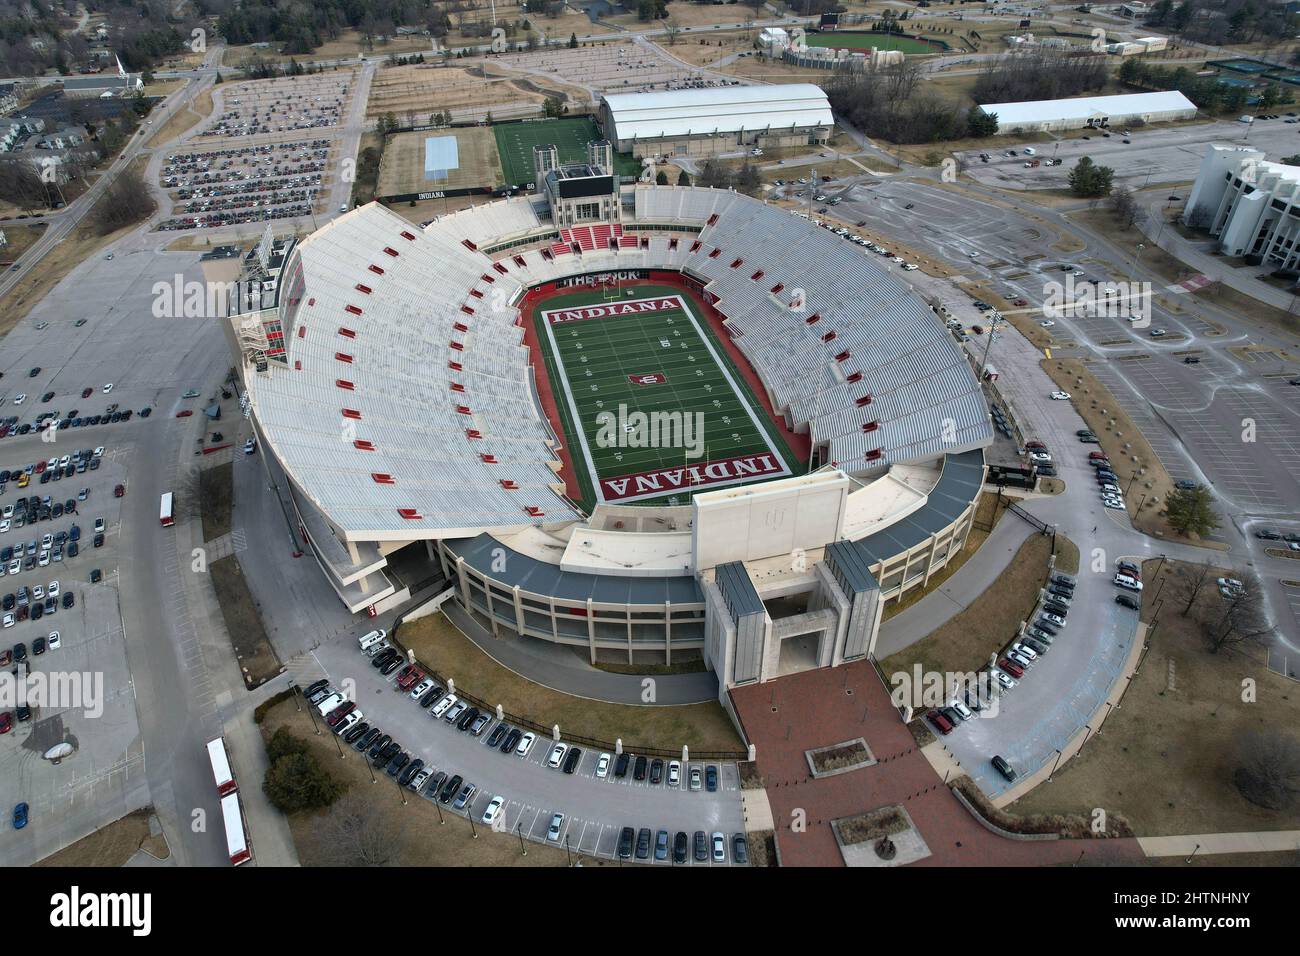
[519, 830]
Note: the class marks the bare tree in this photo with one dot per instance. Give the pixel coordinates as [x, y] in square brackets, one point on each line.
[1269, 770]
[671, 30]
[126, 202]
[355, 833]
[1243, 619]
[1125, 206]
[1191, 584]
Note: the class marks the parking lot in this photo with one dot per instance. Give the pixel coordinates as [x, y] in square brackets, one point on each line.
[595, 809]
[96, 717]
[1156, 155]
[280, 105]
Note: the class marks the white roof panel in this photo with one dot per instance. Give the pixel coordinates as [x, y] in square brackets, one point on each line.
[1085, 107]
[727, 109]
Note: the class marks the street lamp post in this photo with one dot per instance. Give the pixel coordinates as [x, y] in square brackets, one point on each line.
[1133, 266]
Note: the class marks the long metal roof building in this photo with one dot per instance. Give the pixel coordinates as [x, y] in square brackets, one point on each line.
[727, 109]
[1082, 111]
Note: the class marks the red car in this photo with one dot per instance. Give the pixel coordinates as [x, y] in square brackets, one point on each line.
[1034, 444]
[941, 723]
[1019, 303]
[410, 679]
[1012, 668]
[119, 491]
[40, 467]
[6, 657]
[339, 712]
[185, 414]
[1098, 456]
[6, 722]
[87, 392]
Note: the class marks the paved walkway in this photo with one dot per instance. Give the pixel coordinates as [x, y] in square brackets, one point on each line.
[559, 668]
[819, 707]
[1268, 841]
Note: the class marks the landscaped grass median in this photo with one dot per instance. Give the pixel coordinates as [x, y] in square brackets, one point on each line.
[440, 645]
[965, 642]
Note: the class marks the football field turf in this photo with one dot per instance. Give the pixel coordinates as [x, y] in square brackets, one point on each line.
[515, 142]
[652, 407]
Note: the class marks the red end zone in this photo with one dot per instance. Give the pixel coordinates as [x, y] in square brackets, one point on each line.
[702, 304]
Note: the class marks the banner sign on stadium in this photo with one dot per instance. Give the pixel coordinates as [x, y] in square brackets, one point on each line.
[666, 481]
[608, 310]
[601, 278]
[654, 378]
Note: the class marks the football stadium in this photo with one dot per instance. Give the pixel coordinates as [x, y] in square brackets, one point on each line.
[700, 428]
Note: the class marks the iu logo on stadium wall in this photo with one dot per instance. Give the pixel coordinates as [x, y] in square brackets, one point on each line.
[653, 379]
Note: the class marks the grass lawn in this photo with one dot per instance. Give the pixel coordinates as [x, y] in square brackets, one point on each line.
[439, 645]
[18, 239]
[965, 642]
[216, 499]
[257, 659]
[515, 142]
[1166, 759]
[423, 840]
[665, 366]
[112, 845]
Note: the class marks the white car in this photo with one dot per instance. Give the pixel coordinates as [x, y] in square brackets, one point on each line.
[20, 398]
[54, 641]
[1025, 652]
[1157, 333]
[420, 689]
[99, 452]
[1047, 323]
[719, 848]
[1128, 583]
[910, 267]
[602, 766]
[553, 831]
[108, 388]
[1054, 618]
[1004, 679]
[43, 560]
[493, 810]
[443, 706]
[963, 711]
[1061, 396]
[1113, 503]
[525, 744]
[4, 525]
[53, 590]
[99, 526]
[9, 619]
[557, 755]
[1040, 457]
[674, 773]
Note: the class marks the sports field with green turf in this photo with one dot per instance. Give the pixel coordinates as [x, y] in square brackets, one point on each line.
[849, 40]
[652, 407]
[515, 142]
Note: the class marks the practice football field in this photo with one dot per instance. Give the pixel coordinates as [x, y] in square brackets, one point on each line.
[614, 353]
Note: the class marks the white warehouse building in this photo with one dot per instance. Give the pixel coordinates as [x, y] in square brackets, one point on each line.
[1032, 116]
[1251, 205]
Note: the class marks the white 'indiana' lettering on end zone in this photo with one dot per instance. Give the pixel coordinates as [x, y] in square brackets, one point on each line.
[667, 303]
[666, 481]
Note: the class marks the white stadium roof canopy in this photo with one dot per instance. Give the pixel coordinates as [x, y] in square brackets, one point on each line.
[727, 109]
[1031, 112]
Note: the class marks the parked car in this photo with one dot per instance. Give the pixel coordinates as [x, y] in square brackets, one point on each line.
[1004, 768]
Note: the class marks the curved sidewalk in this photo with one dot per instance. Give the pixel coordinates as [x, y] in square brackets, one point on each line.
[559, 668]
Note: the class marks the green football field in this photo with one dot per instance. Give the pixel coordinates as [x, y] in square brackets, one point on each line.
[865, 40]
[649, 353]
[515, 142]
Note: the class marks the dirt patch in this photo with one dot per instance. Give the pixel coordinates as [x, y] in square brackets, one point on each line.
[216, 500]
[257, 658]
[416, 91]
[183, 120]
[839, 757]
[872, 825]
[1167, 758]
[762, 848]
[963, 644]
[439, 645]
[426, 840]
[1070, 825]
[112, 845]
[18, 239]
[750, 778]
